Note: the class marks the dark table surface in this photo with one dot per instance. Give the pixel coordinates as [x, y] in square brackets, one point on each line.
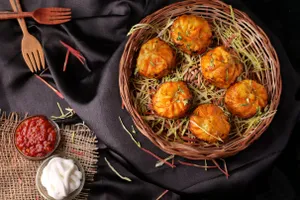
[283, 19]
[99, 31]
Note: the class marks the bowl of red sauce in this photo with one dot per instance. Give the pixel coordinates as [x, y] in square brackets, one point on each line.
[37, 137]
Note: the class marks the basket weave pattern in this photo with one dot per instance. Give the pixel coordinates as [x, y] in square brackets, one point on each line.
[257, 41]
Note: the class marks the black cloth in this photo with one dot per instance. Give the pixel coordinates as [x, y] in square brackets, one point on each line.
[98, 30]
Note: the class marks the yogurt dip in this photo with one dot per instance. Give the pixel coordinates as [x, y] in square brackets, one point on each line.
[61, 177]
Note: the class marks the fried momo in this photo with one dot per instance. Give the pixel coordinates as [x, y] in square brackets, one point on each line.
[245, 98]
[191, 34]
[220, 67]
[172, 100]
[156, 59]
[209, 123]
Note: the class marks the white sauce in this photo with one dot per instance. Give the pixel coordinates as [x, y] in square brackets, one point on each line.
[61, 177]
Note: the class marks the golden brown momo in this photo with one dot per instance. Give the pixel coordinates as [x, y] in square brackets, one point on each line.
[209, 123]
[220, 67]
[156, 59]
[192, 34]
[172, 100]
[245, 98]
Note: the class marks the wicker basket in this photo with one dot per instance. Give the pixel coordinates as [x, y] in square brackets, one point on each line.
[258, 42]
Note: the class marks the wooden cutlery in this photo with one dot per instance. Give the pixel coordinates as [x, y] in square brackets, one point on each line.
[32, 50]
[48, 16]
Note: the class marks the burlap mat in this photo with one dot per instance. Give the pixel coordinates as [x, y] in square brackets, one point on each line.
[17, 174]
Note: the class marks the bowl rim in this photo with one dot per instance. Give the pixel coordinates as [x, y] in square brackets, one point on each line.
[57, 142]
[42, 189]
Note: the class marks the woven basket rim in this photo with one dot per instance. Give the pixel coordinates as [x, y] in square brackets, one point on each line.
[180, 149]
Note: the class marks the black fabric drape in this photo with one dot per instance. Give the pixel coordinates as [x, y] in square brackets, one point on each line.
[98, 30]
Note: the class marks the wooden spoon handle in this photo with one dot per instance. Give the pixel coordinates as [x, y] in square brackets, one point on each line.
[14, 15]
[16, 6]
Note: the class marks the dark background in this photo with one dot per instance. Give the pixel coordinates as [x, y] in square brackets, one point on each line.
[99, 32]
[283, 19]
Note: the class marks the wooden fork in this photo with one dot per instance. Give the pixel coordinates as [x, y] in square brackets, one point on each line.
[49, 16]
[32, 50]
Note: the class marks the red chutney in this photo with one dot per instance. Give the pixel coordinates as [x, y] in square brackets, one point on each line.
[35, 137]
